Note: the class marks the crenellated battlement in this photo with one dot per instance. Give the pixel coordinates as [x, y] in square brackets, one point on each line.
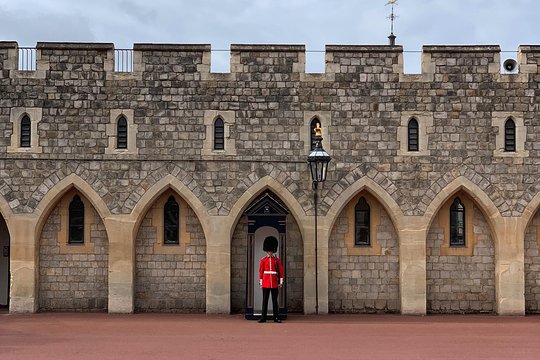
[351, 62]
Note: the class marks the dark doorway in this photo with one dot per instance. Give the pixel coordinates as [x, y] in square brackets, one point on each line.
[266, 216]
[4, 265]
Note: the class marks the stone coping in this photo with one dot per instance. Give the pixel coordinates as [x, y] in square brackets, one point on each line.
[364, 48]
[171, 47]
[74, 46]
[460, 48]
[267, 47]
[8, 45]
[529, 48]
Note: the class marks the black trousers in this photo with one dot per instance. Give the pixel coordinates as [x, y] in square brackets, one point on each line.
[275, 307]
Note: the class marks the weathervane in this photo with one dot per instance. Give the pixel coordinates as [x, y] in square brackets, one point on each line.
[392, 17]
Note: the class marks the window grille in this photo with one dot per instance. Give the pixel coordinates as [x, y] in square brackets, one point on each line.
[510, 135]
[121, 133]
[219, 134]
[362, 218]
[76, 221]
[171, 216]
[412, 132]
[457, 223]
[26, 132]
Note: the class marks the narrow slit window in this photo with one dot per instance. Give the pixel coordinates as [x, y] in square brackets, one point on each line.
[362, 223]
[457, 223]
[510, 135]
[76, 221]
[26, 132]
[219, 134]
[121, 133]
[171, 216]
[312, 127]
[412, 135]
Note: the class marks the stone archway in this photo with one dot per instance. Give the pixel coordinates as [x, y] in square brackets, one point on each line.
[365, 278]
[293, 256]
[72, 276]
[170, 277]
[460, 279]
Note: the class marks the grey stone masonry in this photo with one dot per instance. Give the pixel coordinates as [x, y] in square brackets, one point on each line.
[461, 284]
[532, 267]
[363, 283]
[294, 267]
[363, 89]
[239, 251]
[73, 282]
[170, 282]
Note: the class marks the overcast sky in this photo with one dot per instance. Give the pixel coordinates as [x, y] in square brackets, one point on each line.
[507, 23]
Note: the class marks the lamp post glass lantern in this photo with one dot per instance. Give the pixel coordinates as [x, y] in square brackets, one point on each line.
[318, 161]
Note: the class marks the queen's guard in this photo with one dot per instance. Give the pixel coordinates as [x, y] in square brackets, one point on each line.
[271, 277]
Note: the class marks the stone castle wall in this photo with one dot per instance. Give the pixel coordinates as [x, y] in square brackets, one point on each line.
[363, 100]
[363, 90]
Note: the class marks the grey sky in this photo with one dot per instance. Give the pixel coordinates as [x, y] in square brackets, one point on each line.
[310, 22]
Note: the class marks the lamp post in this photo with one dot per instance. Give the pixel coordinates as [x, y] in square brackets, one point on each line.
[318, 161]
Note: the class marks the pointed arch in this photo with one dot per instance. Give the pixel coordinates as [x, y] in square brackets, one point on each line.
[53, 196]
[6, 212]
[151, 195]
[365, 183]
[481, 199]
[413, 139]
[312, 124]
[122, 132]
[529, 212]
[25, 132]
[219, 134]
[510, 135]
[267, 183]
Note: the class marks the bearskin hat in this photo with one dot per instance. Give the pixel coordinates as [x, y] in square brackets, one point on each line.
[270, 244]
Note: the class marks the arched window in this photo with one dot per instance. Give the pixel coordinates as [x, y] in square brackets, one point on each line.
[312, 127]
[121, 133]
[219, 134]
[457, 223]
[412, 135]
[26, 132]
[76, 221]
[171, 226]
[362, 223]
[509, 135]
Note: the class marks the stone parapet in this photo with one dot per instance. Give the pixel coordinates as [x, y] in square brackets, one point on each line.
[74, 46]
[8, 45]
[455, 62]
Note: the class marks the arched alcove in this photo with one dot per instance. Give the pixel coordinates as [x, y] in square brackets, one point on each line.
[170, 272]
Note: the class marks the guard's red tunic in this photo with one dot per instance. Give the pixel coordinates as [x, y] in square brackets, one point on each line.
[269, 267]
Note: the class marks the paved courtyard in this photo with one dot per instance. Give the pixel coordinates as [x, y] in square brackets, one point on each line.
[174, 336]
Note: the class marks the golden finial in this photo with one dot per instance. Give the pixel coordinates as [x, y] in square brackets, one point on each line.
[318, 130]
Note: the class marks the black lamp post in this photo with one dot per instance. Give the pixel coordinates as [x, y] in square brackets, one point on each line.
[318, 161]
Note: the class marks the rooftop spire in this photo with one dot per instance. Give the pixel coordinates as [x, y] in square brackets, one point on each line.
[392, 17]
